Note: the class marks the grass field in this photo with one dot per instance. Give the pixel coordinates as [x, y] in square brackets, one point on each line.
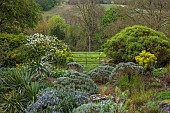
[89, 60]
[66, 9]
[61, 10]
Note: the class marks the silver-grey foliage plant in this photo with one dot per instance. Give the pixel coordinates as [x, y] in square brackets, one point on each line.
[77, 81]
[102, 73]
[128, 65]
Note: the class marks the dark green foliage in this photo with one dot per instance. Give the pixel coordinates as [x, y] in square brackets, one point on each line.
[58, 72]
[58, 32]
[14, 41]
[125, 45]
[57, 27]
[4, 48]
[164, 95]
[77, 81]
[135, 82]
[47, 4]
[9, 44]
[17, 15]
[101, 73]
[110, 16]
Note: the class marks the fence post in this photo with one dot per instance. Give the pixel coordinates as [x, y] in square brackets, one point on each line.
[86, 58]
[99, 57]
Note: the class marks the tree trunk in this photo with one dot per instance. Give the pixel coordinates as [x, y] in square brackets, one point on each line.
[89, 43]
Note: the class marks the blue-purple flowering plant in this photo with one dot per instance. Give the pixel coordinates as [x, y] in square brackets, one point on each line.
[46, 99]
[58, 101]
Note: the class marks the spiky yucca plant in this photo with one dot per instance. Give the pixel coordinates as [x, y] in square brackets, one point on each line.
[17, 89]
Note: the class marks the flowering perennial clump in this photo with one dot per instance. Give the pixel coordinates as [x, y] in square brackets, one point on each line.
[39, 45]
[146, 59]
[46, 42]
[63, 56]
[46, 99]
[62, 100]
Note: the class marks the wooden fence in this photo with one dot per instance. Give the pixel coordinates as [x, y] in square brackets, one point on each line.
[88, 58]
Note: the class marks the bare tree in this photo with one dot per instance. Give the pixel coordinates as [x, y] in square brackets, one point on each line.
[152, 13]
[87, 9]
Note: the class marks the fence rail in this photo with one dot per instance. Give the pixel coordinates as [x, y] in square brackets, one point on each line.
[88, 58]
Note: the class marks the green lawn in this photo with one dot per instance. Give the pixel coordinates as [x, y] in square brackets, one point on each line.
[66, 9]
[61, 10]
[89, 60]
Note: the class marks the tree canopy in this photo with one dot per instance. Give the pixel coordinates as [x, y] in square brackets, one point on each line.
[47, 4]
[17, 15]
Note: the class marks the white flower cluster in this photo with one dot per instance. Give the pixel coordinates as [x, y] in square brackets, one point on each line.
[50, 42]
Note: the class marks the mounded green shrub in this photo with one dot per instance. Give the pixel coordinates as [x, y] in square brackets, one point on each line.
[47, 4]
[125, 45]
[14, 41]
[77, 81]
[8, 46]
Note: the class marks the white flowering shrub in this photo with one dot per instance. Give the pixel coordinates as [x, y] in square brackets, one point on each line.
[50, 42]
[39, 45]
